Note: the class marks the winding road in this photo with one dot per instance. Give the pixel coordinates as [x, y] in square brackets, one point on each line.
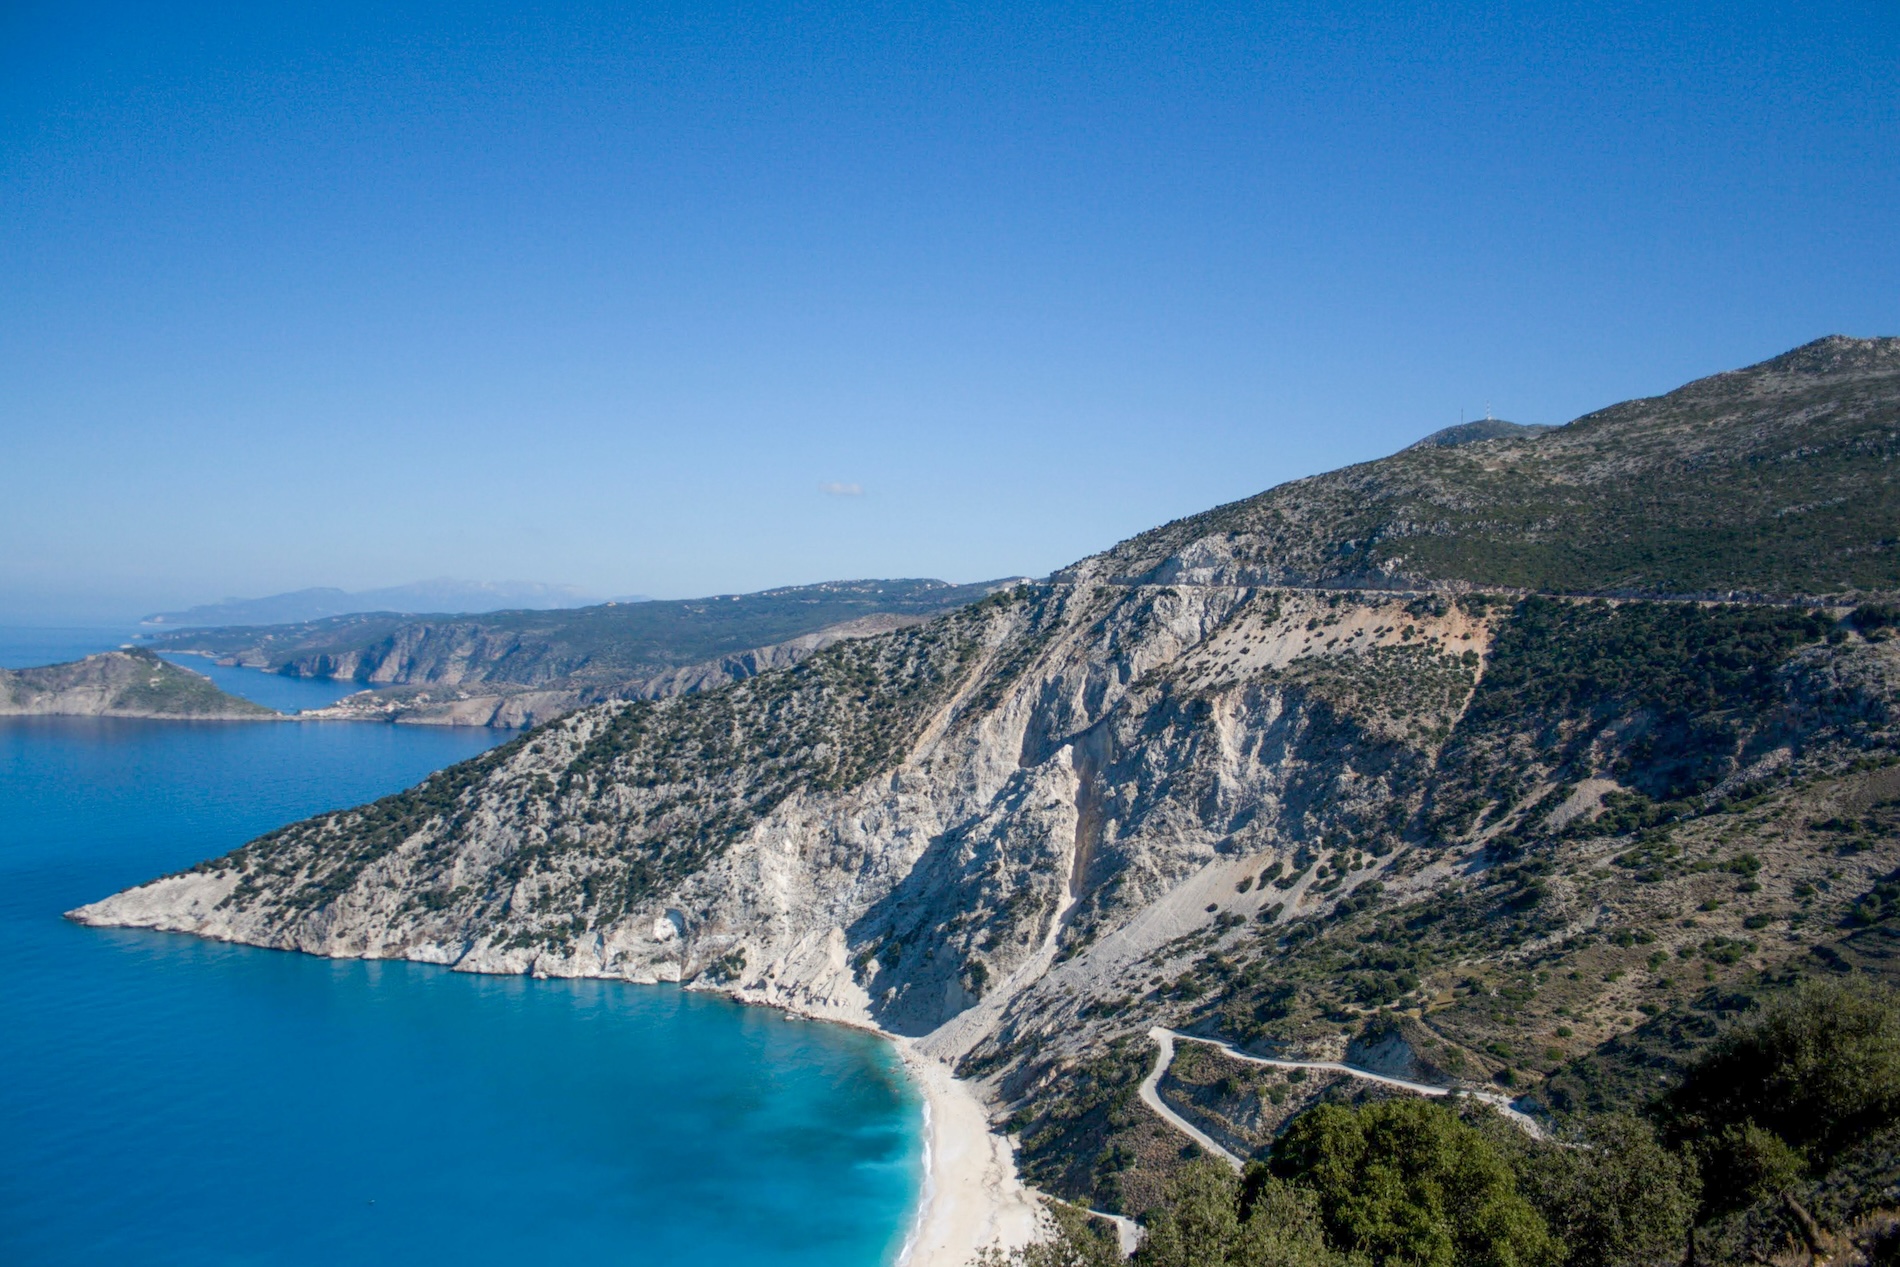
[1164, 1040]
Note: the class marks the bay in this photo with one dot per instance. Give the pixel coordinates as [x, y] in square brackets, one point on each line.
[169, 1100]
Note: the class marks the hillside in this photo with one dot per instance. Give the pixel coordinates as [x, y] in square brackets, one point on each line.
[516, 668]
[1312, 773]
[1772, 480]
[129, 683]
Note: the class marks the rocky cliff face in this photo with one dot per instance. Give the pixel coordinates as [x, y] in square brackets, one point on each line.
[520, 668]
[905, 829]
[1154, 790]
[510, 705]
[131, 683]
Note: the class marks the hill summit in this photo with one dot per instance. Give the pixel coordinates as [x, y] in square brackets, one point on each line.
[1771, 480]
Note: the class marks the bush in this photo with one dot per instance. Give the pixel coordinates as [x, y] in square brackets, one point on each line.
[1819, 1071]
[1871, 616]
[1619, 1200]
[1212, 1218]
[1746, 1164]
[1405, 1181]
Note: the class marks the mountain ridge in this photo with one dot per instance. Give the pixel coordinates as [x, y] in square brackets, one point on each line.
[1484, 514]
[1483, 832]
[440, 595]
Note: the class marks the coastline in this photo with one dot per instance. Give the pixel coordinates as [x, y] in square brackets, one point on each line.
[972, 1197]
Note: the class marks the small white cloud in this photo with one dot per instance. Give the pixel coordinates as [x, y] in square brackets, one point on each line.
[831, 488]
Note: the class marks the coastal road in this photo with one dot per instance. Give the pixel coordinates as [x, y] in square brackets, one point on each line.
[1164, 1040]
[1151, 1096]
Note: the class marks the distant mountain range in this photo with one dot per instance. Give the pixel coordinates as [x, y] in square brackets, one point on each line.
[443, 595]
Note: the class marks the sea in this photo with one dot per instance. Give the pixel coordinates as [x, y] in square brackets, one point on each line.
[167, 1100]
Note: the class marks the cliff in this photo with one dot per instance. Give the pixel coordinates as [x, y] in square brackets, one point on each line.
[1306, 771]
[128, 683]
[520, 668]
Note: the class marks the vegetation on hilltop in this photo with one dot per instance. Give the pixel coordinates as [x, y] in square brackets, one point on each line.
[128, 683]
[1772, 480]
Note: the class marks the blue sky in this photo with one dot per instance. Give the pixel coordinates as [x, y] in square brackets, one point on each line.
[612, 295]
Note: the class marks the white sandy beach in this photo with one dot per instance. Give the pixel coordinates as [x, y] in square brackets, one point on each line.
[972, 1197]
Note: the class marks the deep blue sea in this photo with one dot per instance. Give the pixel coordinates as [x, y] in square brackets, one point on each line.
[165, 1100]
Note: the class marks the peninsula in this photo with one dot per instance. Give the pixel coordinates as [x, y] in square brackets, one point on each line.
[128, 683]
[520, 668]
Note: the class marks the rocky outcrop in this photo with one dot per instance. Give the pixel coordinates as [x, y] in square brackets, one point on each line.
[128, 683]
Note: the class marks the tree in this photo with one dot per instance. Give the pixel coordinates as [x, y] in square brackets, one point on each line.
[1214, 1218]
[1621, 1199]
[1407, 1182]
[1209, 1218]
[1790, 1090]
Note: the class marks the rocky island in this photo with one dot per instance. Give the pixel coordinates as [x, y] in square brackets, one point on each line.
[1519, 764]
[132, 682]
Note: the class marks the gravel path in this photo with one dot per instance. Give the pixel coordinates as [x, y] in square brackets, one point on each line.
[1164, 1040]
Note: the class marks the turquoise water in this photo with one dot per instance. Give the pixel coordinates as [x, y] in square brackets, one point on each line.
[165, 1100]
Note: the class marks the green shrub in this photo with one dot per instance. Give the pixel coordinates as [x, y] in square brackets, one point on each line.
[1818, 1071]
[1620, 1200]
[1406, 1181]
[1214, 1218]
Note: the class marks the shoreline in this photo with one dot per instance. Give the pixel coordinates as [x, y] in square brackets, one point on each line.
[972, 1197]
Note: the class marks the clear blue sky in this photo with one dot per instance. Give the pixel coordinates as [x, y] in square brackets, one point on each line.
[608, 295]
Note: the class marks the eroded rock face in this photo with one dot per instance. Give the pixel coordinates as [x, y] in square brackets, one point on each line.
[1057, 760]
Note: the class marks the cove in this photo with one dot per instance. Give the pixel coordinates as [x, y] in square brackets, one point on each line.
[169, 1100]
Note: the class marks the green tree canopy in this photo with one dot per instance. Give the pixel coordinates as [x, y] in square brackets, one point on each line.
[1405, 1181]
[1819, 1070]
[1621, 1199]
[1212, 1218]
